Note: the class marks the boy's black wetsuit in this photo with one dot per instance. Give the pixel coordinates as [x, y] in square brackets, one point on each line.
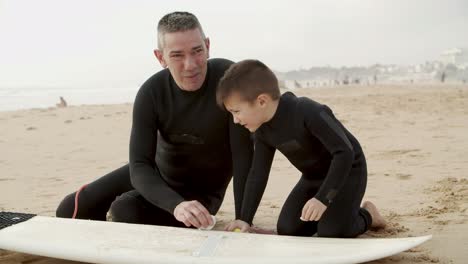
[332, 163]
[182, 147]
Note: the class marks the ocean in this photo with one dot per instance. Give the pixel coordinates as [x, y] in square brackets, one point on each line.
[16, 98]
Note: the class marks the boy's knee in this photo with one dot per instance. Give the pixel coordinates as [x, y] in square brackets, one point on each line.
[329, 233]
[288, 232]
[286, 229]
[336, 232]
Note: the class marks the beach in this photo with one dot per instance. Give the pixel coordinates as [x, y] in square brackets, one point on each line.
[415, 138]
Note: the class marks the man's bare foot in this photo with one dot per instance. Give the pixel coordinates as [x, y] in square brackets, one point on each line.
[377, 220]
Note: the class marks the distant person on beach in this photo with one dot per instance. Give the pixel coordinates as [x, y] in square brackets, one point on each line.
[62, 103]
[184, 149]
[442, 77]
[327, 199]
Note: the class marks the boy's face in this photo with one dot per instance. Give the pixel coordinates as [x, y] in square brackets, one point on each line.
[185, 53]
[251, 115]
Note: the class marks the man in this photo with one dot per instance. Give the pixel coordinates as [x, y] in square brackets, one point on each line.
[183, 148]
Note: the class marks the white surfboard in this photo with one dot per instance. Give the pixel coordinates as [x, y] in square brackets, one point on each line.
[114, 243]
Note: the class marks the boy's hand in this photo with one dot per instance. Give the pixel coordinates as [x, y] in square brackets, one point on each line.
[193, 213]
[313, 210]
[238, 224]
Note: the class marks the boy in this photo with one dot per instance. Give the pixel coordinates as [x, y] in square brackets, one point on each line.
[326, 200]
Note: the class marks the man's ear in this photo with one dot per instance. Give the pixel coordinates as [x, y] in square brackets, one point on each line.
[207, 44]
[160, 57]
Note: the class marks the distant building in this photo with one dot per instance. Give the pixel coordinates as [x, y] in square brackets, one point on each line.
[451, 67]
[455, 56]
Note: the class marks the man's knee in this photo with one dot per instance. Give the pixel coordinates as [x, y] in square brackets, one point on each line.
[66, 207]
[126, 209]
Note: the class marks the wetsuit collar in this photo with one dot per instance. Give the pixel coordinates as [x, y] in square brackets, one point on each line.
[283, 111]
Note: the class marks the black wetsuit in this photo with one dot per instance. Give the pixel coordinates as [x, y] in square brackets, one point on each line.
[332, 163]
[182, 147]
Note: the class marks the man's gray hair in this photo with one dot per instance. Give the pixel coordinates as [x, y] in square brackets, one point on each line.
[177, 22]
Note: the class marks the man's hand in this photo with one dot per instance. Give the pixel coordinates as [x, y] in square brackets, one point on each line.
[238, 224]
[313, 210]
[193, 213]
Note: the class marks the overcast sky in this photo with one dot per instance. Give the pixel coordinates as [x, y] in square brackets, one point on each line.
[110, 42]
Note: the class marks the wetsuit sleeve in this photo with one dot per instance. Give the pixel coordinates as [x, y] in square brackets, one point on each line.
[144, 174]
[322, 124]
[256, 180]
[242, 154]
[212, 202]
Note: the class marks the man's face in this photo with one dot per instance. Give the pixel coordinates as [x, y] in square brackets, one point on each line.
[251, 115]
[185, 53]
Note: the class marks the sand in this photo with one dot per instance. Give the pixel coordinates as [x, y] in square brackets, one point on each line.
[415, 139]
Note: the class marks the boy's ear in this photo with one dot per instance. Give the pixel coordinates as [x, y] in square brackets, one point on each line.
[263, 99]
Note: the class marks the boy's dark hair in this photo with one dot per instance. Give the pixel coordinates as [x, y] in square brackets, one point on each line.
[249, 79]
[177, 22]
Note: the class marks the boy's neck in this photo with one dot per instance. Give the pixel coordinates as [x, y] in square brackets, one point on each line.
[271, 110]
